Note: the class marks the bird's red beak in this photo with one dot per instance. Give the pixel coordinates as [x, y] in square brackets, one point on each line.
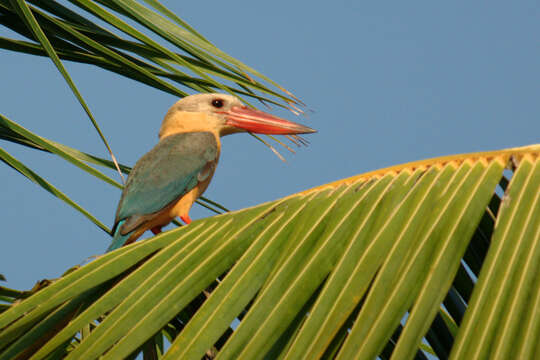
[259, 122]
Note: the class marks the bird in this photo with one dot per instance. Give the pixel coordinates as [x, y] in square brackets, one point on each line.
[166, 181]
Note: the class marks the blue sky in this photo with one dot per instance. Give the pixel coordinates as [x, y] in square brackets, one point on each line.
[388, 82]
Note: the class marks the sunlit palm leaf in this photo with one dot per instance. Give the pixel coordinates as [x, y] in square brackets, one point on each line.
[369, 266]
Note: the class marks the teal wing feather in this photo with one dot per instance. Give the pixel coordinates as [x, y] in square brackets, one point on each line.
[118, 240]
[164, 174]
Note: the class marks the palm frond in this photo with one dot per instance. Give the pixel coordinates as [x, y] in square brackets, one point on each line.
[130, 52]
[432, 257]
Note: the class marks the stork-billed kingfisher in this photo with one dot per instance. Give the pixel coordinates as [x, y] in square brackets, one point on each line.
[167, 180]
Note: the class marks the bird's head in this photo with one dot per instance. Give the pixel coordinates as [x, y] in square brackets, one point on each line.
[224, 115]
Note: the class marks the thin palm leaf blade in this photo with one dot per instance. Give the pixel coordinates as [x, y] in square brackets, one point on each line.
[516, 232]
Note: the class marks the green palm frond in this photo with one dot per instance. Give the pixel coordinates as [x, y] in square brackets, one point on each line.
[130, 52]
[438, 256]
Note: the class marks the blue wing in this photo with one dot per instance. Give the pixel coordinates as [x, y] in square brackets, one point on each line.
[165, 173]
[118, 239]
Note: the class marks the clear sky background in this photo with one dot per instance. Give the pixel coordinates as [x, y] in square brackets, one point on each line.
[389, 82]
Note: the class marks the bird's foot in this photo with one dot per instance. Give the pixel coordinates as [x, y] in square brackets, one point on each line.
[185, 219]
[156, 229]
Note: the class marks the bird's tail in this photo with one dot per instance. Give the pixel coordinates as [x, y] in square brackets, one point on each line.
[118, 240]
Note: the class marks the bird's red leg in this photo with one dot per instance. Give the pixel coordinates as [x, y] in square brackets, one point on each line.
[156, 229]
[185, 219]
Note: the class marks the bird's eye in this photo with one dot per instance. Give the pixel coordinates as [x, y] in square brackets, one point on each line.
[217, 103]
